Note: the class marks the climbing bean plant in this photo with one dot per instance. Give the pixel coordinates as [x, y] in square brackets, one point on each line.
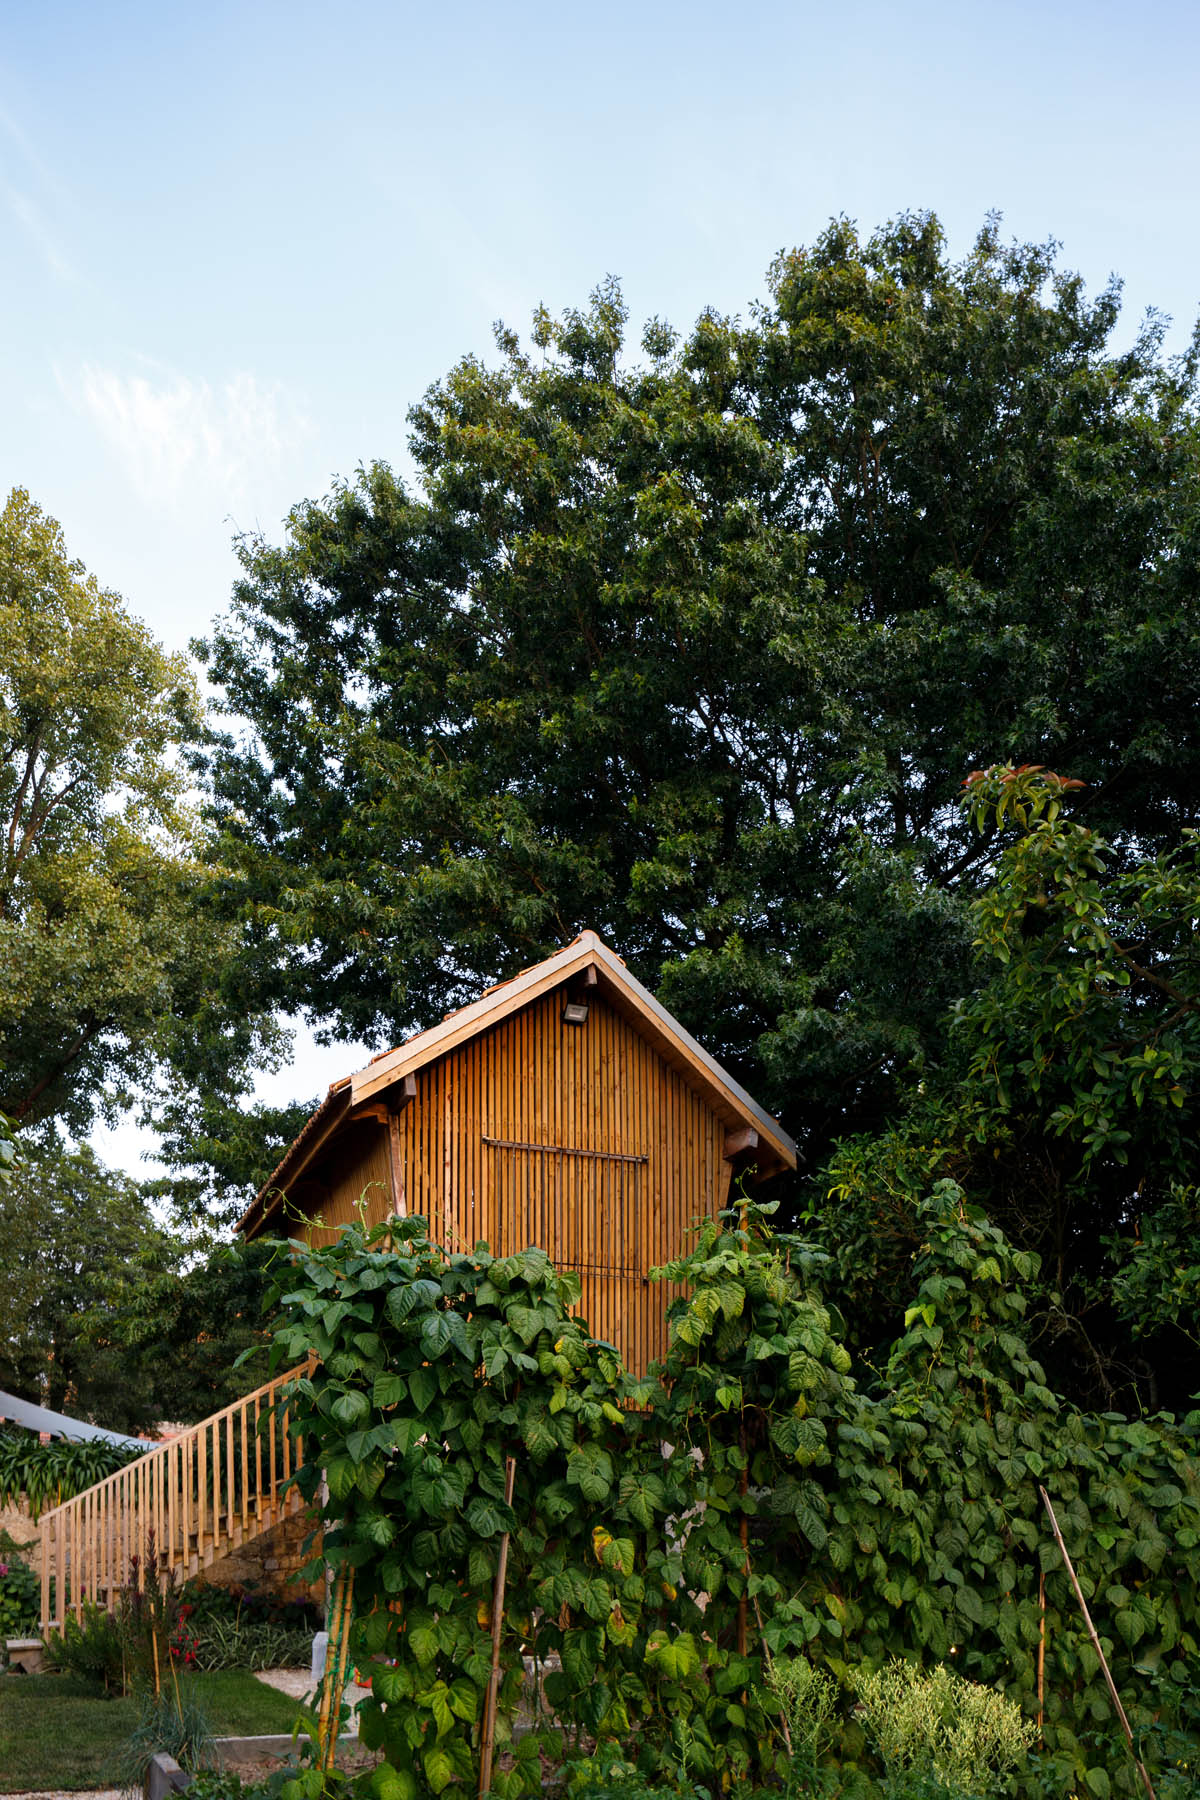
[755, 1496]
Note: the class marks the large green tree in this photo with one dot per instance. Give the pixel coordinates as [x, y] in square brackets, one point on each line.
[118, 980]
[1067, 1103]
[108, 1313]
[76, 1240]
[696, 646]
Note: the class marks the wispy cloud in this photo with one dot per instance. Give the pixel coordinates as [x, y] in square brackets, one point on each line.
[31, 214]
[28, 149]
[173, 435]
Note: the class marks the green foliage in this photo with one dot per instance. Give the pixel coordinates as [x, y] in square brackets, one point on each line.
[609, 1775]
[1158, 1278]
[172, 1722]
[1068, 1106]
[111, 1316]
[47, 1474]
[939, 1729]
[757, 1493]
[92, 1648]
[110, 955]
[1170, 1744]
[20, 1591]
[224, 1784]
[217, 1643]
[807, 1700]
[188, 1333]
[147, 1613]
[77, 1246]
[694, 643]
[223, 1628]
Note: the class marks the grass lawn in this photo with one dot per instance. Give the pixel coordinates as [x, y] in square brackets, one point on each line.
[59, 1732]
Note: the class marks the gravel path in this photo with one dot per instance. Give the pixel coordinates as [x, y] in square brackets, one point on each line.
[299, 1684]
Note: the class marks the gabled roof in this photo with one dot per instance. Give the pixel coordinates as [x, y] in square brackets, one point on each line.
[728, 1099]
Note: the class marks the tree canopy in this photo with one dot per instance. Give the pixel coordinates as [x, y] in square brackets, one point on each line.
[696, 645]
[118, 980]
[1065, 1105]
[111, 1315]
[75, 1239]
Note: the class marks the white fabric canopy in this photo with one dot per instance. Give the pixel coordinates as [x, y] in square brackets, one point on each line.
[40, 1418]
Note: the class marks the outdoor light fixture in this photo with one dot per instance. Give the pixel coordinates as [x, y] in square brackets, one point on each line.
[575, 1012]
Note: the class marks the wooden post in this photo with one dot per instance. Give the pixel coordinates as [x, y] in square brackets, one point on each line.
[1041, 1656]
[487, 1748]
[743, 1635]
[1087, 1619]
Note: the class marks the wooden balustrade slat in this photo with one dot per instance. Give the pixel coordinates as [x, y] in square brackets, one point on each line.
[193, 1497]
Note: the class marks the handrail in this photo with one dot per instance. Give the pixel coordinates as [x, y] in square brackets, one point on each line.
[183, 1504]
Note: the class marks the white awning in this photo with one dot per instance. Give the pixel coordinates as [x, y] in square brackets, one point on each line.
[40, 1418]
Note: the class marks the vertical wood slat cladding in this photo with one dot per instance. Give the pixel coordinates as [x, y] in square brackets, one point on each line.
[578, 1138]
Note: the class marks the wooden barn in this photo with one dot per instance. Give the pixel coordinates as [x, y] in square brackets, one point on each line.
[565, 1108]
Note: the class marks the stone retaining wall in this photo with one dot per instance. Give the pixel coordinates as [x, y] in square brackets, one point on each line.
[18, 1524]
[269, 1564]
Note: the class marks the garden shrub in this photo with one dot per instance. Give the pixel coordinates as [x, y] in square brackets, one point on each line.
[807, 1699]
[92, 1648]
[46, 1475]
[236, 1628]
[20, 1591]
[938, 1734]
[220, 1643]
[756, 1494]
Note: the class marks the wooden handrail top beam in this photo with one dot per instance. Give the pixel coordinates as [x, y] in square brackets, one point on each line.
[161, 1452]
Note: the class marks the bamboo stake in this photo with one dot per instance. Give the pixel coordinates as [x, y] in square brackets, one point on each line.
[487, 1748]
[743, 1635]
[334, 1683]
[1041, 1656]
[1087, 1619]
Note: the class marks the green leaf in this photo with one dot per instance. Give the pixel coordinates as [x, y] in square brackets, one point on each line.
[349, 1408]
[423, 1387]
[483, 1518]
[389, 1389]
[439, 1770]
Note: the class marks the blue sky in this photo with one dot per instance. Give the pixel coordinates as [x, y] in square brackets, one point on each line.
[240, 241]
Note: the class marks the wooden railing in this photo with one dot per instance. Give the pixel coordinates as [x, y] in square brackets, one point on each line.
[184, 1505]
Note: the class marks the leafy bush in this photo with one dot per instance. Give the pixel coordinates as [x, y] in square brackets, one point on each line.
[148, 1608]
[45, 1475]
[92, 1648]
[937, 1734]
[236, 1628]
[1171, 1743]
[807, 1699]
[609, 1775]
[849, 1516]
[203, 1600]
[218, 1643]
[130, 1646]
[20, 1591]
[224, 1784]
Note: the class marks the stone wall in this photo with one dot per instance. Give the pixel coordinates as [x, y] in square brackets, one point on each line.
[18, 1524]
[269, 1564]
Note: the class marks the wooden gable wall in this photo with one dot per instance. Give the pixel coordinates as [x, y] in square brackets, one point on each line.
[580, 1139]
